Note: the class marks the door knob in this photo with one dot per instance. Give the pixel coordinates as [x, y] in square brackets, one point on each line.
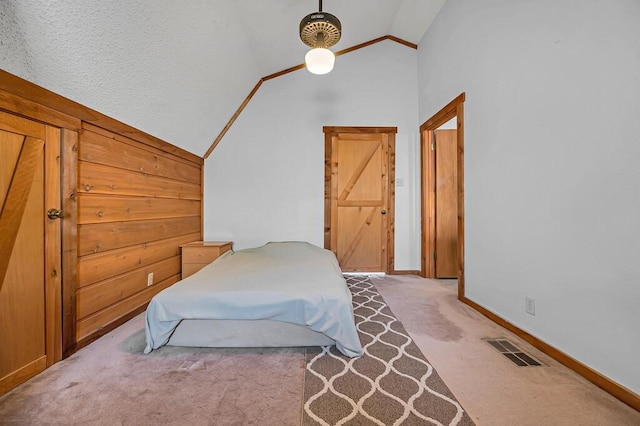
[383, 212]
[55, 214]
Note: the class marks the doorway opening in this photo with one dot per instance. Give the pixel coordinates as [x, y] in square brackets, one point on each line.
[442, 194]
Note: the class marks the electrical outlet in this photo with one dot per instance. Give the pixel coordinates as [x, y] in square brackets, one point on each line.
[150, 279]
[530, 306]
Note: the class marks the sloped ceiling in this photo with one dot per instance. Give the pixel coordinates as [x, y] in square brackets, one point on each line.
[179, 70]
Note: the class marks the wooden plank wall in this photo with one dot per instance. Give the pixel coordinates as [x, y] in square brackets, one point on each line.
[136, 205]
[132, 200]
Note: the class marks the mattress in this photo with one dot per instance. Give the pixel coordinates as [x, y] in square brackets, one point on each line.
[295, 283]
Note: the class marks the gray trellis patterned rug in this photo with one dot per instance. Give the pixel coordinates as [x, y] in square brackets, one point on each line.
[391, 384]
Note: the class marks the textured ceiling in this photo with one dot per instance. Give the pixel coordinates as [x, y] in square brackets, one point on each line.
[179, 70]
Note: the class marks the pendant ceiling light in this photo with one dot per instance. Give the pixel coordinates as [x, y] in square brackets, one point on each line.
[320, 31]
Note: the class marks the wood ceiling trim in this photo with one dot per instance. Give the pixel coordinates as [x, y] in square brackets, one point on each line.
[242, 106]
[233, 118]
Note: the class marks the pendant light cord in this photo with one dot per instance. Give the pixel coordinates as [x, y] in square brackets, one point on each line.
[320, 7]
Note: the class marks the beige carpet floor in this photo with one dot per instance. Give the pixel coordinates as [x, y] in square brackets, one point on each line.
[494, 391]
[111, 383]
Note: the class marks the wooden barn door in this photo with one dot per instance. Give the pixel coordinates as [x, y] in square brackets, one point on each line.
[29, 249]
[360, 199]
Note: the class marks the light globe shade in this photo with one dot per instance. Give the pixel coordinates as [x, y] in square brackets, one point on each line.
[319, 60]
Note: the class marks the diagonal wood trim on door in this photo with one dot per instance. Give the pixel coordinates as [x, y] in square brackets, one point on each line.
[358, 172]
[360, 203]
[16, 200]
[358, 237]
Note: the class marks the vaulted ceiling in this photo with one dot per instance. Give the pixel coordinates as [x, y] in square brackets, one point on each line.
[179, 70]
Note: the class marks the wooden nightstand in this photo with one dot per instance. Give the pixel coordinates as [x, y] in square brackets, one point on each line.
[198, 254]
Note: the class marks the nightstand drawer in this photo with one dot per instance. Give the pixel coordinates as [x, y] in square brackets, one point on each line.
[189, 269]
[198, 254]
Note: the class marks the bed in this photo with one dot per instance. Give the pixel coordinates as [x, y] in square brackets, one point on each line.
[281, 294]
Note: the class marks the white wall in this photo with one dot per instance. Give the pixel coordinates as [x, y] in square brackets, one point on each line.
[552, 175]
[15, 55]
[153, 64]
[265, 180]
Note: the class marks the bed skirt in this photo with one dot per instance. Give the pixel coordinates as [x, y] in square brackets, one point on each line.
[245, 334]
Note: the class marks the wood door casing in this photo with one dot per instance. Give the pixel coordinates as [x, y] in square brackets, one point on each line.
[359, 197]
[446, 218]
[30, 250]
[454, 109]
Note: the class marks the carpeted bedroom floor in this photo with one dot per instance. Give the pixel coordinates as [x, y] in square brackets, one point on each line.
[110, 382]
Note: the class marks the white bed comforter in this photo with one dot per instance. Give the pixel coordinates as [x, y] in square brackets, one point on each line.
[293, 282]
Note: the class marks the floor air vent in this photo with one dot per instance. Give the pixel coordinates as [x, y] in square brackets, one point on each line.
[514, 353]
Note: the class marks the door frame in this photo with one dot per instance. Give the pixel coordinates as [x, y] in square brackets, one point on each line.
[12, 213]
[62, 293]
[330, 168]
[454, 109]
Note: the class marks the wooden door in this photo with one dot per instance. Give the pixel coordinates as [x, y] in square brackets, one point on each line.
[29, 249]
[446, 220]
[360, 205]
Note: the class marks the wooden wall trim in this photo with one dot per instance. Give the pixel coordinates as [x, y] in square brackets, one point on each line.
[69, 156]
[460, 179]
[35, 111]
[328, 171]
[233, 118]
[244, 103]
[363, 129]
[445, 114]
[402, 41]
[53, 247]
[404, 272]
[342, 52]
[391, 194]
[24, 89]
[622, 393]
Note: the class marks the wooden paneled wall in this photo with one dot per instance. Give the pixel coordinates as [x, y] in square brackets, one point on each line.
[132, 200]
[136, 205]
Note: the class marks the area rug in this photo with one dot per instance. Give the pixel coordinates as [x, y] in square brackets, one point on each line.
[391, 384]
